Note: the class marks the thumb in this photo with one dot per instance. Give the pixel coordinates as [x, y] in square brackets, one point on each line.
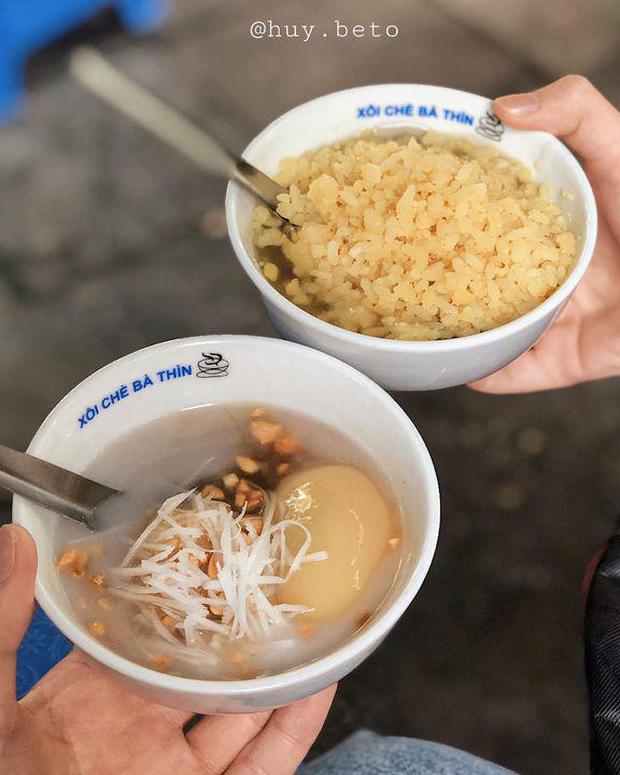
[573, 110]
[18, 566]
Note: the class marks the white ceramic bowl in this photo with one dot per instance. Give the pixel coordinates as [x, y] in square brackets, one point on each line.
[403, 365]
[222, 370]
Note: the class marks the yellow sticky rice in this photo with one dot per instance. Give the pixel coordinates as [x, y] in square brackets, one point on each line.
[418, 238]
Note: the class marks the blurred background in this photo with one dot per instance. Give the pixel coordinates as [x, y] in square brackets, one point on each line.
[110, 242]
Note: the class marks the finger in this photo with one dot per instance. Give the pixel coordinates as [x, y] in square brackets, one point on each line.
[218, 740]
[573, 110]
[18, 567]
[282, 745]
[526, 374]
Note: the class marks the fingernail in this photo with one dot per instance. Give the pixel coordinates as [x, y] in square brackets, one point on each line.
[7, 554]
[518, 104]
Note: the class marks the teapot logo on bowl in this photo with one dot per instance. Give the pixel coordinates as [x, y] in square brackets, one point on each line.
[490, 126]
[212, 365]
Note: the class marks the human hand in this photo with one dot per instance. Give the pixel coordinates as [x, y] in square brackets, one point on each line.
[79, 721]
[584, 343]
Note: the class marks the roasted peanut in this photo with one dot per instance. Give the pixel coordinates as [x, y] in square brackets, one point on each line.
[264, 431]
[81, 563]
[73, 561]
[287, 445]
[212, 565]
[66, 560]
[211, 490]
[254, 502]
[247, 464]
[204, 541]
[160, 661]
[250, 497]
[230, 481]
[97, 628]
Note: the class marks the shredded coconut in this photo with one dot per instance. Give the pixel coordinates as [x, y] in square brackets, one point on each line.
[194, 596]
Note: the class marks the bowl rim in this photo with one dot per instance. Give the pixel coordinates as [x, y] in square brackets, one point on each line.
[364, 341]
[357, 646]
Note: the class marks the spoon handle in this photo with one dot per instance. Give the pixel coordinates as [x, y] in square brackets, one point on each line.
[49, 485]
[96, 73]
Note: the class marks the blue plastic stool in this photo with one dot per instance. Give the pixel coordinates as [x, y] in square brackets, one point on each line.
[26, 26]
[42, 647]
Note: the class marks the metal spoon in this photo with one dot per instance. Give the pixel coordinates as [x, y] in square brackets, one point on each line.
[57, 489]
[110, 84]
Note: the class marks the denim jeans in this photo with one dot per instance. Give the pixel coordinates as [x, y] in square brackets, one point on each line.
[366, 753]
